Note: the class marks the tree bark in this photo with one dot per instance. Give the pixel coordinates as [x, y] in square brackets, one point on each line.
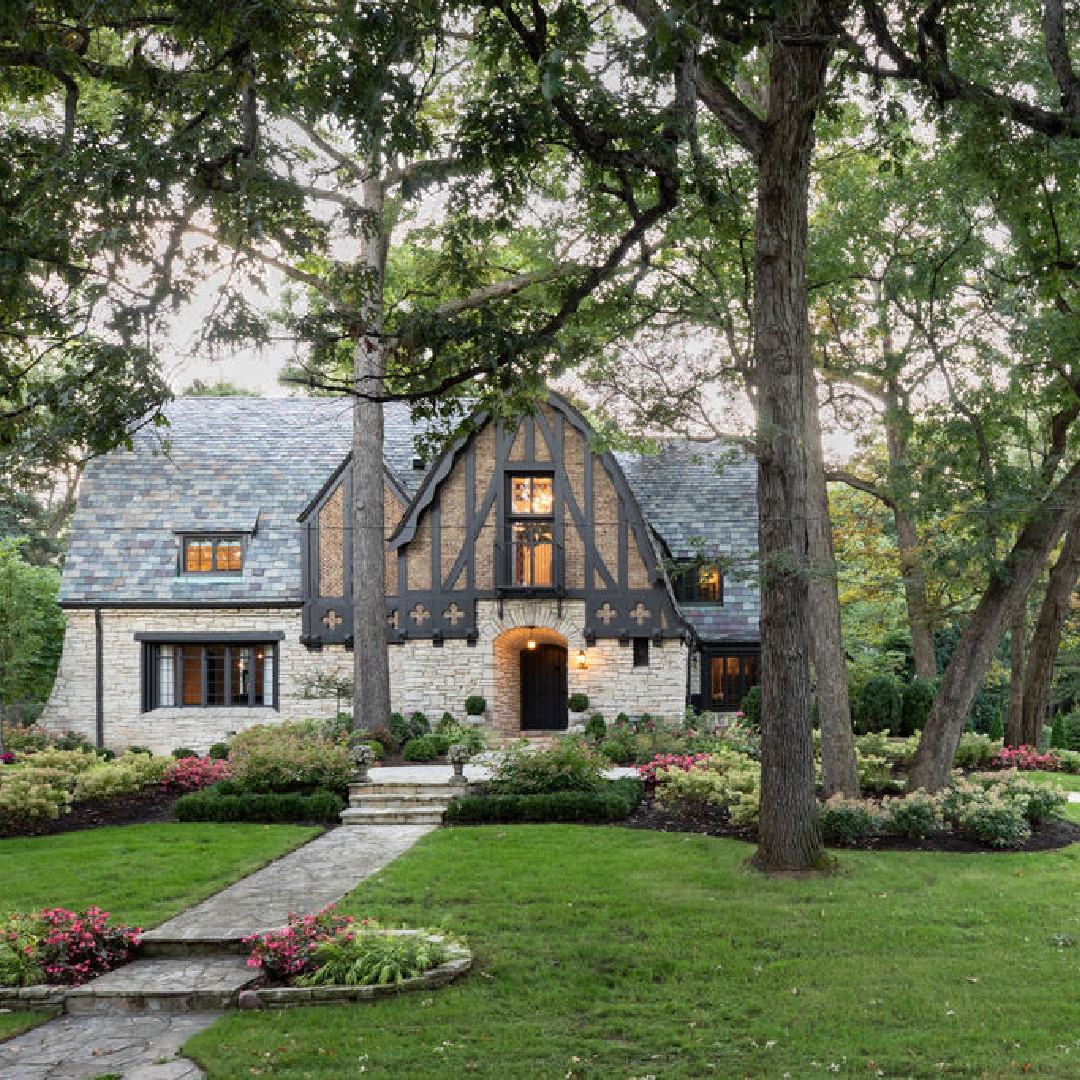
[963, 677]
[1047, 638]
[839, 771]
[1017, 654]
[371, 667]
[789, 835]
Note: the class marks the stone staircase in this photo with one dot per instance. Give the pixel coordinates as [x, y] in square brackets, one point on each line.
[399, 803]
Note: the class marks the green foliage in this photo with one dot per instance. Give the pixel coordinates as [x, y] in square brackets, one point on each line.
[727, 779]
[20, 952]
[577, 703]
[595, 727]
[213, 804]
[375, 958]
[615, 800]
[849, 821]
[218, 751]
[975, 751]
[475, 705]
[184, 751]
[425, 747]
[30, 795]
[751, 708]
[916, 698]
[288, 756]
[31, 629]
[915, 815]
[997, 726]
[879, 704]
[571, 765]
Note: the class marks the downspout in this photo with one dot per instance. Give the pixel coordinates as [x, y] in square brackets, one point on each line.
[99, 682]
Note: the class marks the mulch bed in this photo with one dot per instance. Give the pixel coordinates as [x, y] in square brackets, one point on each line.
[150, 805]
[711, 821]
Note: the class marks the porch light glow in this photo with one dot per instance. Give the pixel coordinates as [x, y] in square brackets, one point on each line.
[582, 659]
[531, 643]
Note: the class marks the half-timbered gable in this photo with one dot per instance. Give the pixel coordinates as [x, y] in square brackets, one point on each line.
[527, 511]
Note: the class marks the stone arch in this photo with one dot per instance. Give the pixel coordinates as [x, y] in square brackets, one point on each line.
[506, 651]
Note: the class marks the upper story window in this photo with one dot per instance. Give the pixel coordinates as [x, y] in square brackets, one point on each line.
[695, 583]
[530, 529]
[212, 555]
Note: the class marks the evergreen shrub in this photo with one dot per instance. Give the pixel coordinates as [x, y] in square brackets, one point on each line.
[425, 747]
[879, 704]
[475, 705]
[614, 801]
[215, 804]
[750, 707]
[915, 701]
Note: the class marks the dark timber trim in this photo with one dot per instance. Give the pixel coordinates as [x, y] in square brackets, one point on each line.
[238, 637]
[99, 680]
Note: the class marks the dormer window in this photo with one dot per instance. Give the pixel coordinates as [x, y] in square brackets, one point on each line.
[531, 562]
[697, 583]
[212, 555]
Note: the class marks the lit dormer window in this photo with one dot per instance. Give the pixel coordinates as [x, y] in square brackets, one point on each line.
[697, 583]
[212, 555]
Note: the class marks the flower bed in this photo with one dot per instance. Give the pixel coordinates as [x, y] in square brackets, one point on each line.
[61, 947]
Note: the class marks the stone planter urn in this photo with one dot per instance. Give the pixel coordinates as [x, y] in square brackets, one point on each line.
[458, 755]
[361, 755]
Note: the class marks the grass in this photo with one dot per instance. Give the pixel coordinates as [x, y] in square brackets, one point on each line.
[15, 1023]
[1065, 781]
[140, 874]
[604, 952]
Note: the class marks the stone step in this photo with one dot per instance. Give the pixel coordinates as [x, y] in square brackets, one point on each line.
[402, 815]
[180, 948]
[443, 791]
[165, 986]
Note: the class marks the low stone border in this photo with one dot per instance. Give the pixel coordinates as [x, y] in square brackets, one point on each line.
[41, 998]
[286, 996]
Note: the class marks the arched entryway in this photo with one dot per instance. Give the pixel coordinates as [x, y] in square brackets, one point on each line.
[530, 669]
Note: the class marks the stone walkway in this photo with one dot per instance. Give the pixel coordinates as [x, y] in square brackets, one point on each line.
[144, 1046]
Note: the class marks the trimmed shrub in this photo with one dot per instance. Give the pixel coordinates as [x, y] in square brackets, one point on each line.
[612, 802]
[475, 705]
[578, 703]
[418, 725]
[213, 804]
[750, 707]
[425, 747]
[915, 701]
[399, 730]
[218, 751]
[997, 726]
[183, 752]
[595, 727]
[879, 704]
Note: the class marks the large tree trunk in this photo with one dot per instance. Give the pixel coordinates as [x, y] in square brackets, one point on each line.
[1046, 639]
[839, 772]
[965, 674]
[789, 835]
[371, 668]
[918, 607]
[1017, 655]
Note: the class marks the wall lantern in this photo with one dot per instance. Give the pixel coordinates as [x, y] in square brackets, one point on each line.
[531, 643]
[582, 659]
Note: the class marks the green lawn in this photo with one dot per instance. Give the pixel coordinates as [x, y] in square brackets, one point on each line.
[140, 874]
[15, 1023]
[1066, 781]
[605, 952]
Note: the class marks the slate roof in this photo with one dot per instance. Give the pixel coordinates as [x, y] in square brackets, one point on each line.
[252, 465]
[701, 499]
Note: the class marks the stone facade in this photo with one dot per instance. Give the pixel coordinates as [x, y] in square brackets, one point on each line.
[425, 677]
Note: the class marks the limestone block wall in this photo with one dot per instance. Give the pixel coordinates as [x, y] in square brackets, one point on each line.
[72, 705]
[422, 676]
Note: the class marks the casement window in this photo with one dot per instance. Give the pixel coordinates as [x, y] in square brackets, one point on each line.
[641, 652]
[212, 555]
[530, 533]
[209, 674]
[695, 583]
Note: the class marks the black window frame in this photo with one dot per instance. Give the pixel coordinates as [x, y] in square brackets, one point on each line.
[747, 655]
[530, 521]
[197, 646]
[686, 583]
[214, 539]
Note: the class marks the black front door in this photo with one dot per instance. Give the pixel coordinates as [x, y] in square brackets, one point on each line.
[543, 688]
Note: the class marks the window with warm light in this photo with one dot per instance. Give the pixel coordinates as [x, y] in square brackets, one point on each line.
[530, 532]
[212, 555]
[213, 674]
[697, 584]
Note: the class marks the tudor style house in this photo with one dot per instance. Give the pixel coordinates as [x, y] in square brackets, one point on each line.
[208, 578]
